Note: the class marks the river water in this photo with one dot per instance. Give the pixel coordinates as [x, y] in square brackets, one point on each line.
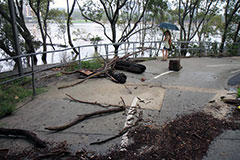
[84, 31]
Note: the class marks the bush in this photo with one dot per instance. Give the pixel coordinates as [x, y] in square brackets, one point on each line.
[233, 48]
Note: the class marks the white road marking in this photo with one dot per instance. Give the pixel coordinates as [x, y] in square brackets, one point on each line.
[162, 74]
[222, 65]
[236, 71]
[129, 122]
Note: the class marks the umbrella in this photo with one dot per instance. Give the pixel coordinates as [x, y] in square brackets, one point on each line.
[167, 25]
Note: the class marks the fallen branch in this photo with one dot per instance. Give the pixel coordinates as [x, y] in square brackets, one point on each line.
[122, 132]
[129, 91]
[82, 71]
[107, 66]
[231, 101]
[96, 103]
[128, 55]
[103, 70]
[93, 75]
[25, 133]
[85, 116]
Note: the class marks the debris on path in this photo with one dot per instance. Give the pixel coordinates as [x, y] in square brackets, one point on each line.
[108, 68]
[187, 137]
[82, 117]
[231, 101]
[123, 131]
[97, 103]
[30, 136]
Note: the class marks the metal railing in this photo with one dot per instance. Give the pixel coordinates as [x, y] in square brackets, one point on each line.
[180, 48]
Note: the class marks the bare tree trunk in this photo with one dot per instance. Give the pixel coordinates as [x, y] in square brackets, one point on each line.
[224, 36]
[68, 25]
[235, 38]
[43, 27]
[228, 19]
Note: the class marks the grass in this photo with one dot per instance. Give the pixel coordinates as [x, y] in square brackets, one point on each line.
[91, 65]
[14, 92]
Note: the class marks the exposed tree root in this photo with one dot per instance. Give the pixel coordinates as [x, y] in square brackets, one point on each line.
[84, 117]
[25, 133]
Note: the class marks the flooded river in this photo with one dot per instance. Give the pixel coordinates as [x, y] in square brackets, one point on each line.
[81, 33]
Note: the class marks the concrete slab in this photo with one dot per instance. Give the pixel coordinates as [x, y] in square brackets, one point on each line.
[107, 92]
[226, 146]
[161, 100]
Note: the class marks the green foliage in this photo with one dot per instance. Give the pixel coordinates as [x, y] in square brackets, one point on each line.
[71, 67]
[233, 48]
[95, 39]
[57, 15]
[214, 48]
[13, 93]
[156, 9]
[91, 65]
[59, 74]
[92, 9]
[212, 27]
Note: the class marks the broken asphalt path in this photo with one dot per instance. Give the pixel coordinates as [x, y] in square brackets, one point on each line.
[162, 96]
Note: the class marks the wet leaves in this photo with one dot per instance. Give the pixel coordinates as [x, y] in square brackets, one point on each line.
[187, 137]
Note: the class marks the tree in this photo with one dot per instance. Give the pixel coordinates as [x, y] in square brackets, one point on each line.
[69, 14]
[192, 14]
[230, 10]
[93, 11]
[156, 10]
[210, 27]
[26, 39]
[59, 17]
[41, 10]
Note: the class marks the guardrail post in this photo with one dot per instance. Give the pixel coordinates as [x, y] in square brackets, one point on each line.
[79, 57]
[179, 48]
[33, 76]
[106, 50]
[151, 49]
[155, 48]
[134, 49]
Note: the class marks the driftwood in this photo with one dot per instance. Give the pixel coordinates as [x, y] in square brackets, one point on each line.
[130, 66]
[84, 117]
[231, 101]
[130, 54]
[82, 71]
[107, 67]
[24, 133]
[174, 65]
[97, 103]
[117, 77]
[122, 132]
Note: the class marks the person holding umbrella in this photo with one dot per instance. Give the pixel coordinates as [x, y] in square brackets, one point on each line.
[167, 38]
[167, 44]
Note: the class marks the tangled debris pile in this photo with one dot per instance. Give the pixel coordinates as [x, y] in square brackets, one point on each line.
[187, 137]
[108, 70]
